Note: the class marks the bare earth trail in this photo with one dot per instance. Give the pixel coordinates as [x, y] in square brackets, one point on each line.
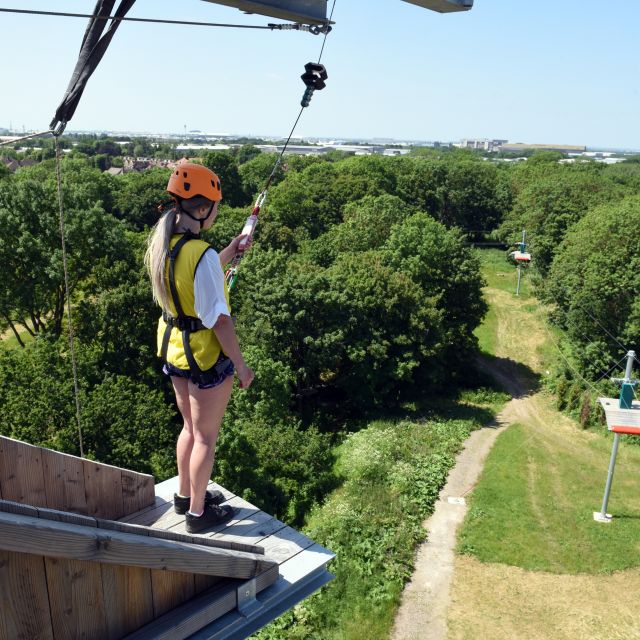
[425, 601]
[452, 597]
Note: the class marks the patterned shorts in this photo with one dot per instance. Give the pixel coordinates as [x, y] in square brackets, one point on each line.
[221, 370]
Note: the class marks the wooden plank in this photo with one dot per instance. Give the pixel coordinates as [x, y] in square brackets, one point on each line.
[76, 598]
[148, 517]
[183, 621]
[21, 476]
[138, 516]
[137, 491]
[284, 544]
[128, 598]
[103, 488]
[309, 564]
[124, 527]
[62, 540]
[64, 481]
[24, 602]
[8, 506]
[202, 583]
[251, 530]
[63, 516]
[170, 589]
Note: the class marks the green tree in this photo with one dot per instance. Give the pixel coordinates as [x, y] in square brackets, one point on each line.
[226, 168]
[446, 272]
[552, 202]
[247, 152]
[138, 196]
[255, 172]
[308, 203]
[594, 283]
[32, 292]
[367, 225]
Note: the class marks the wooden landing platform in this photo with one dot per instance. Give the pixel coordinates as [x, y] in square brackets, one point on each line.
[302, 562]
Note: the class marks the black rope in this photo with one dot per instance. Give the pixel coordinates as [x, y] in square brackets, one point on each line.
[67, 289]
[151, 20]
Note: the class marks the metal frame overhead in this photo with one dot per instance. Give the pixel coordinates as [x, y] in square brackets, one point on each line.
[444, 6]
[315, 11]
[302, 11]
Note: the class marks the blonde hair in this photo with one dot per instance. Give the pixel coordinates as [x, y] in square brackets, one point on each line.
[156, 255]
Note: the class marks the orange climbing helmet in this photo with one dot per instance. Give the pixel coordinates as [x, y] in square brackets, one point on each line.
[189, 179]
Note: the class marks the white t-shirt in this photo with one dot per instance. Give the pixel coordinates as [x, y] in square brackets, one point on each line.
[208, 287]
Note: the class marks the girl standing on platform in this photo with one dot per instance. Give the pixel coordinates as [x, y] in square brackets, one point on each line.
[196, 335]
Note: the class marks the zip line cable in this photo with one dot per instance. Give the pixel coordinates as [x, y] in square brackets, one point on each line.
[27, 137]
[295, 124]
[314, 29]
[314, 78]
[67, 293]
[600, 325]
[615, 366]
[326, 33]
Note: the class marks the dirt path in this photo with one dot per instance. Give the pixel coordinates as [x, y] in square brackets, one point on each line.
[425, 600]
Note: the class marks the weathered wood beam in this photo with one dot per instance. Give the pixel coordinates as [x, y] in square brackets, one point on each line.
[26, 534]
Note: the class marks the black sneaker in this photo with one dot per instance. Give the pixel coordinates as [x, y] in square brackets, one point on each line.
[212, 516]
[181, 505]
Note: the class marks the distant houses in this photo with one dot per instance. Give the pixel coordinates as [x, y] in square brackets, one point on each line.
[13, 164]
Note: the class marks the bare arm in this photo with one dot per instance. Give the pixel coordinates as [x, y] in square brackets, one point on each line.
[226, 334]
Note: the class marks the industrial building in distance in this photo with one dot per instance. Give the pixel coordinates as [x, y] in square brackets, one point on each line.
[487, 144]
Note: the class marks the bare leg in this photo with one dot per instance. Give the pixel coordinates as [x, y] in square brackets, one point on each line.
[184, 445]
[207, 409]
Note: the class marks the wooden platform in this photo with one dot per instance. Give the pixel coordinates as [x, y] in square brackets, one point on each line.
[89, 550]
[302, 562]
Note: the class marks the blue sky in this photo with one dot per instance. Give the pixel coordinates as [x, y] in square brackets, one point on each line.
[545, 71]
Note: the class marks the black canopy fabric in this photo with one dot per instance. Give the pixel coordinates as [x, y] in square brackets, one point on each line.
[94, 45]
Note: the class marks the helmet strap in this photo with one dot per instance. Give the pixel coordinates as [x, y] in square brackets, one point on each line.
[201, 221]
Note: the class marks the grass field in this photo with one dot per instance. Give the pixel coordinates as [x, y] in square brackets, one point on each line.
[534, 506]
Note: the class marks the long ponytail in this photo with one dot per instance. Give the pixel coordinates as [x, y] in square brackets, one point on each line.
[155, 256]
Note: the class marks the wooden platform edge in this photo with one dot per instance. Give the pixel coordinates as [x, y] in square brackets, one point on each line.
[184, 621]
[300, 576]
[27, 534]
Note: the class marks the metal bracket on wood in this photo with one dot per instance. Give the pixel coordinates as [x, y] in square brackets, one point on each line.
[248, 604]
